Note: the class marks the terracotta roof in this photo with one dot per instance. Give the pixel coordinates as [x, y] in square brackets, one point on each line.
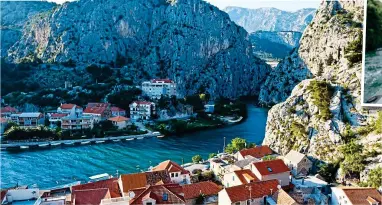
[271, 167]
[111, 184]
[164, 80]
[281, 197]
[207, 188]
[139, 180]
[68, 106]
[258, 151]
[90, 196]
[93, 104]
[3, 193]
[58, 115]
[117, 109]
[8, 109]
[173, 193]
[246, 176]
[95, 110]
[258, 190]
[119, 119]
[170, 166]
[359, 195]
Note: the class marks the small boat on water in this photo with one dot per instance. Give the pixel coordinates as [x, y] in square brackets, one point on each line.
[99, 177]
[86, 142]
[55, 144]
[160, 136]
[43, 145]
[24, 147]
[116, 140]
[140, 138]
[98, 142]
[129, 139]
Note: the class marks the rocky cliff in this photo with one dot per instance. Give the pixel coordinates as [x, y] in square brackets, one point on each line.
[270, 19]
[190, 41]
[14, 15]
[274, 44]
[319, 113]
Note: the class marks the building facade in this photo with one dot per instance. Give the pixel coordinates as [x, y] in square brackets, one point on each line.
[74, 121]
[141, 110]
[28, 119]
[158, 87]
[298, 163]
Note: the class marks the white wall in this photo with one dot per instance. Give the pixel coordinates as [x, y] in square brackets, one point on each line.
[224, 198]
[231, 180]
[284, 177]
[339, 197]
[180, 178]
[22, 194]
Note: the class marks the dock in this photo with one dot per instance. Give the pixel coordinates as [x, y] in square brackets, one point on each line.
[43, 144]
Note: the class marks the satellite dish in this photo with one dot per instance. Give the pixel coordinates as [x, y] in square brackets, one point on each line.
[131, 194]
[279, 186]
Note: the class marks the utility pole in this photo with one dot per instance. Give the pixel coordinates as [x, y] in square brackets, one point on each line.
[224, 146]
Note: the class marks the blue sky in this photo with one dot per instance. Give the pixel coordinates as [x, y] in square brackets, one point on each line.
[286, 5]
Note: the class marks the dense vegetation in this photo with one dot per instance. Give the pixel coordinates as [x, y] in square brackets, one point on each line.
[321, 93]
[238, 144]
[373, 25]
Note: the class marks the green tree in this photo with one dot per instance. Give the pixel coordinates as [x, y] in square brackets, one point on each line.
[374, 178]
[236, 145]
[212, 155]
[200, 199]
[269, 157]
[378, 123]
[124, 98]
[197, 158]
[328, 171]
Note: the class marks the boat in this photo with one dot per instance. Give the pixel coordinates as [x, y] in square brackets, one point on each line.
[116, 140]
[55, 143]
[99, 177]
[128, 139]
[160, 136]
[140, 138]
[43, 145]
[99, 141]
[86, 142]
[24, 147]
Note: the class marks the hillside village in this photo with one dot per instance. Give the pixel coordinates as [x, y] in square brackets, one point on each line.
[250, 176]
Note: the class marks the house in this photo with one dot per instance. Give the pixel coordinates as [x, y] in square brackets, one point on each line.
[257, 152]
[157, 194]
[3, 124]
[208, 189]
[119, 121]
[239, 177]
[128, 182]
[248, 194]
[66, 108]
[281, 197]
[273, 169]
[99, 111]
[209, 107]
[177, 173]
[223, 165]
[298, 163]
[74, 121]
[7, 111]
[54, 118]
[93, 193]
[116, 111]
[28, 119]
[141, 110]
[158, 87]
[355, 195]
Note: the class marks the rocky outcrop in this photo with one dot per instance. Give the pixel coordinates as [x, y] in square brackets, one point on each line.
[13, 17]
[189, 41]
[270, 19]
[274, 44]
[318, 113]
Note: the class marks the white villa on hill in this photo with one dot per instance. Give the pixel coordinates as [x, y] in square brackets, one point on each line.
[141, 110]
[158, 87]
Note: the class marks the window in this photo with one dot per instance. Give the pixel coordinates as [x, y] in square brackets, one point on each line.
[237, 203]
[172, 174]
[149, 203]
[233, 178]
[165, 197]
[176, 174]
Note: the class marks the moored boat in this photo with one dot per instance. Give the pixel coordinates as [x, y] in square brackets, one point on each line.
[101, 141]
[129, 139]
[24, 147]
[86, 142]
[43, 145]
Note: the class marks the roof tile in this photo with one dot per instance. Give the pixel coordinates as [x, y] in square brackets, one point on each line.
[271, 167]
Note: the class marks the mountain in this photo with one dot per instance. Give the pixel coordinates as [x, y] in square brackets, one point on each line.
[14, 15]
[274, 44]
[270, 19]
[318, 89]
[189, 41]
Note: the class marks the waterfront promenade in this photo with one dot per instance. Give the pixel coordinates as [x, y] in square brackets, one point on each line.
[77, 141]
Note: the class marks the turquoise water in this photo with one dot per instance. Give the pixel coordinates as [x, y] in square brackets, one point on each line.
[373, 74]
[55, 166]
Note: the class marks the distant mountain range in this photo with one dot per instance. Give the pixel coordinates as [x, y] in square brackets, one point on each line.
[271, 19]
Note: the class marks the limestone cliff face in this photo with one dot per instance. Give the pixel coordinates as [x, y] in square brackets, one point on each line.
[190, 41]
[313, 115]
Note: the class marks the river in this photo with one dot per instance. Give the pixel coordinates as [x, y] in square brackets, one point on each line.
[56, 166]
[373, 74]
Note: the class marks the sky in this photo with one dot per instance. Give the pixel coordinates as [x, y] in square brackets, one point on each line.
[286, 5]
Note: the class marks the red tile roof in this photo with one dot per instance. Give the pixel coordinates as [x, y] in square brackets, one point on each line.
[58, 115]
[271, 167]
[111, 184]
[245, 175]
[98, 105]
[358, 195]
[90, 196]
[258, 190]
[207, 188]
[119, 119]
[139, 180]
[68, 106]
[117, 109]
[164, 80]
[95, 110]
[173, 192]
[258, 151]
[8, 109]
[170, 166]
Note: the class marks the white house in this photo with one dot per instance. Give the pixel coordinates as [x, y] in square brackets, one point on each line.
[248, 194]
[239, 177]
[28, 119]
[116, 111]
[141, 110]
[272, 169]
[66, 108]
[355, 195]
[177, 173]
[74, 121]
[22, 196]
[158, 87]
[298, 163]
[119, 121]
